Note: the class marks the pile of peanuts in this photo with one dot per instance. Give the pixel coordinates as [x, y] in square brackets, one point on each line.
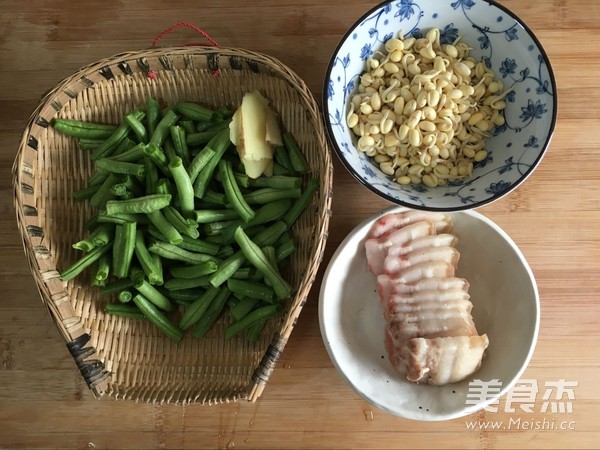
[424, 110]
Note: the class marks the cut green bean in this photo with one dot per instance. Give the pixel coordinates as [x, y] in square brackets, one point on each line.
[219, 144]
[265, 214]
[152, 115]
[243, 307]
[215, 198]
[92, 223]
[250, 289]
[212, 313]
[199, 246]
[122, 167]
[169, 251]
[111, 143]
[162, 128]
[177, 284]
[279, 170]
[123, 248]
[232, 192]
[140, 205]
[257, 258]
[215, 228]
[202, 138]
[98, 177]
[151, 175]
[104, 194]
[297, 159]
[194, 111]
[257, 315]
[158, 157]
[134, 154]
[214, 215]
[294, 212]
[101, 236]
[122, 218]
[178, 136]
[84, 130]
[188, 126]
[199, 162]
[146, 260]
[277, 182]
[158, 318]
[184, 186]
[86, 193]
[124, 310]
[90, 144]
[244, 273]
[183, 225]
[269, 252]
[285, 250]
[254, 331]
[194, 271]
[197, 309]
[125, 296]
[283, 158]
[165, 227]
[85, 262]
[117, 286]
[186, 295]
[153, 294]
[268, 195]
[103, 269]
[225, 252]
[138, 127]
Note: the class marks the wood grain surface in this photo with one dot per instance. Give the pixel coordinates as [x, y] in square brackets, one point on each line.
[554, 218]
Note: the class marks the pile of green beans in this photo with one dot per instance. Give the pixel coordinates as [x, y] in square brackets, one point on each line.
[181, 234]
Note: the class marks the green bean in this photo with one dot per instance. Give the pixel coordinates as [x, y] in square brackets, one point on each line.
[101, 236]
[199, 246]
[197, 309]
[134, 154]
[162, 128]
[97, 283]
[212, 313]
[277, 182]
[214, 215]
[196, 270]
[122, 218]
[110, 144]
[122, 167]
[294, 212]
[297, 159]
[225, 252]
[146, 260]
[216, 228]
[159, 267]
[158, 318]
[257, 315]
[241, 179]
[153, 294]
[158, 157]
[253, 331]
[165, 227]
[151, 175]
[146, 204]
[203, 126]
[120, 190]
[103, 268]
[215, 198]
[244, 273]
[232, 192]
[279, 170]
[85, 130]
[257, 258]
[123, 248]
[90, 144]
[177, 284]
[169, 149]
[250, 289]
[194, 111]
[170, 251]
[163, 186]
[134, 185]
[92, 223]
[283, 158]
[180, 144]
[243, 307]
[270, 254]
[184, 186]
[125, 296]
[285, 250]
[265, 214]
[124, 310]
[268, 195]
[98, 177]
[85, 262]
[123, 147]
[136, 274]
[104, 194]
[138, 127]
[117, 286]
[152, 115]
[186, 295]
[183, 225]
[220, 143]
[85, 193]
[188, 126]
[199, 162]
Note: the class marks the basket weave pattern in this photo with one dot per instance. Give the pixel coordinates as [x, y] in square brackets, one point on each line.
[132, 359]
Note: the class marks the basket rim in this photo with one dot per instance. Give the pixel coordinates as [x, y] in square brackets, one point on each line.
[51, 289]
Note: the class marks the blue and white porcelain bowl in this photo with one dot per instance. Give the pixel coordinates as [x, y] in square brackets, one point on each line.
[509, 48]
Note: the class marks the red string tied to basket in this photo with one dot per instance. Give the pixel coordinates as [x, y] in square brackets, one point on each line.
[210, 41]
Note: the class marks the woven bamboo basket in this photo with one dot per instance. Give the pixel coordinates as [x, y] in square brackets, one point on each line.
[128, 359]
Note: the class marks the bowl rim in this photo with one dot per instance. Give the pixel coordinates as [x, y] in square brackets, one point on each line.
[467, 410]
[354, 173]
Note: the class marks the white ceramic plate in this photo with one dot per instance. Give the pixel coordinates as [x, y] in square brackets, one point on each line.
[505, 306]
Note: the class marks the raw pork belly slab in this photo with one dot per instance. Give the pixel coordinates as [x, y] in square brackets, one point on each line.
[430, 335]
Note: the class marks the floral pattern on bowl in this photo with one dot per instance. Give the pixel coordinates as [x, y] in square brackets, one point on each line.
[508, 47]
